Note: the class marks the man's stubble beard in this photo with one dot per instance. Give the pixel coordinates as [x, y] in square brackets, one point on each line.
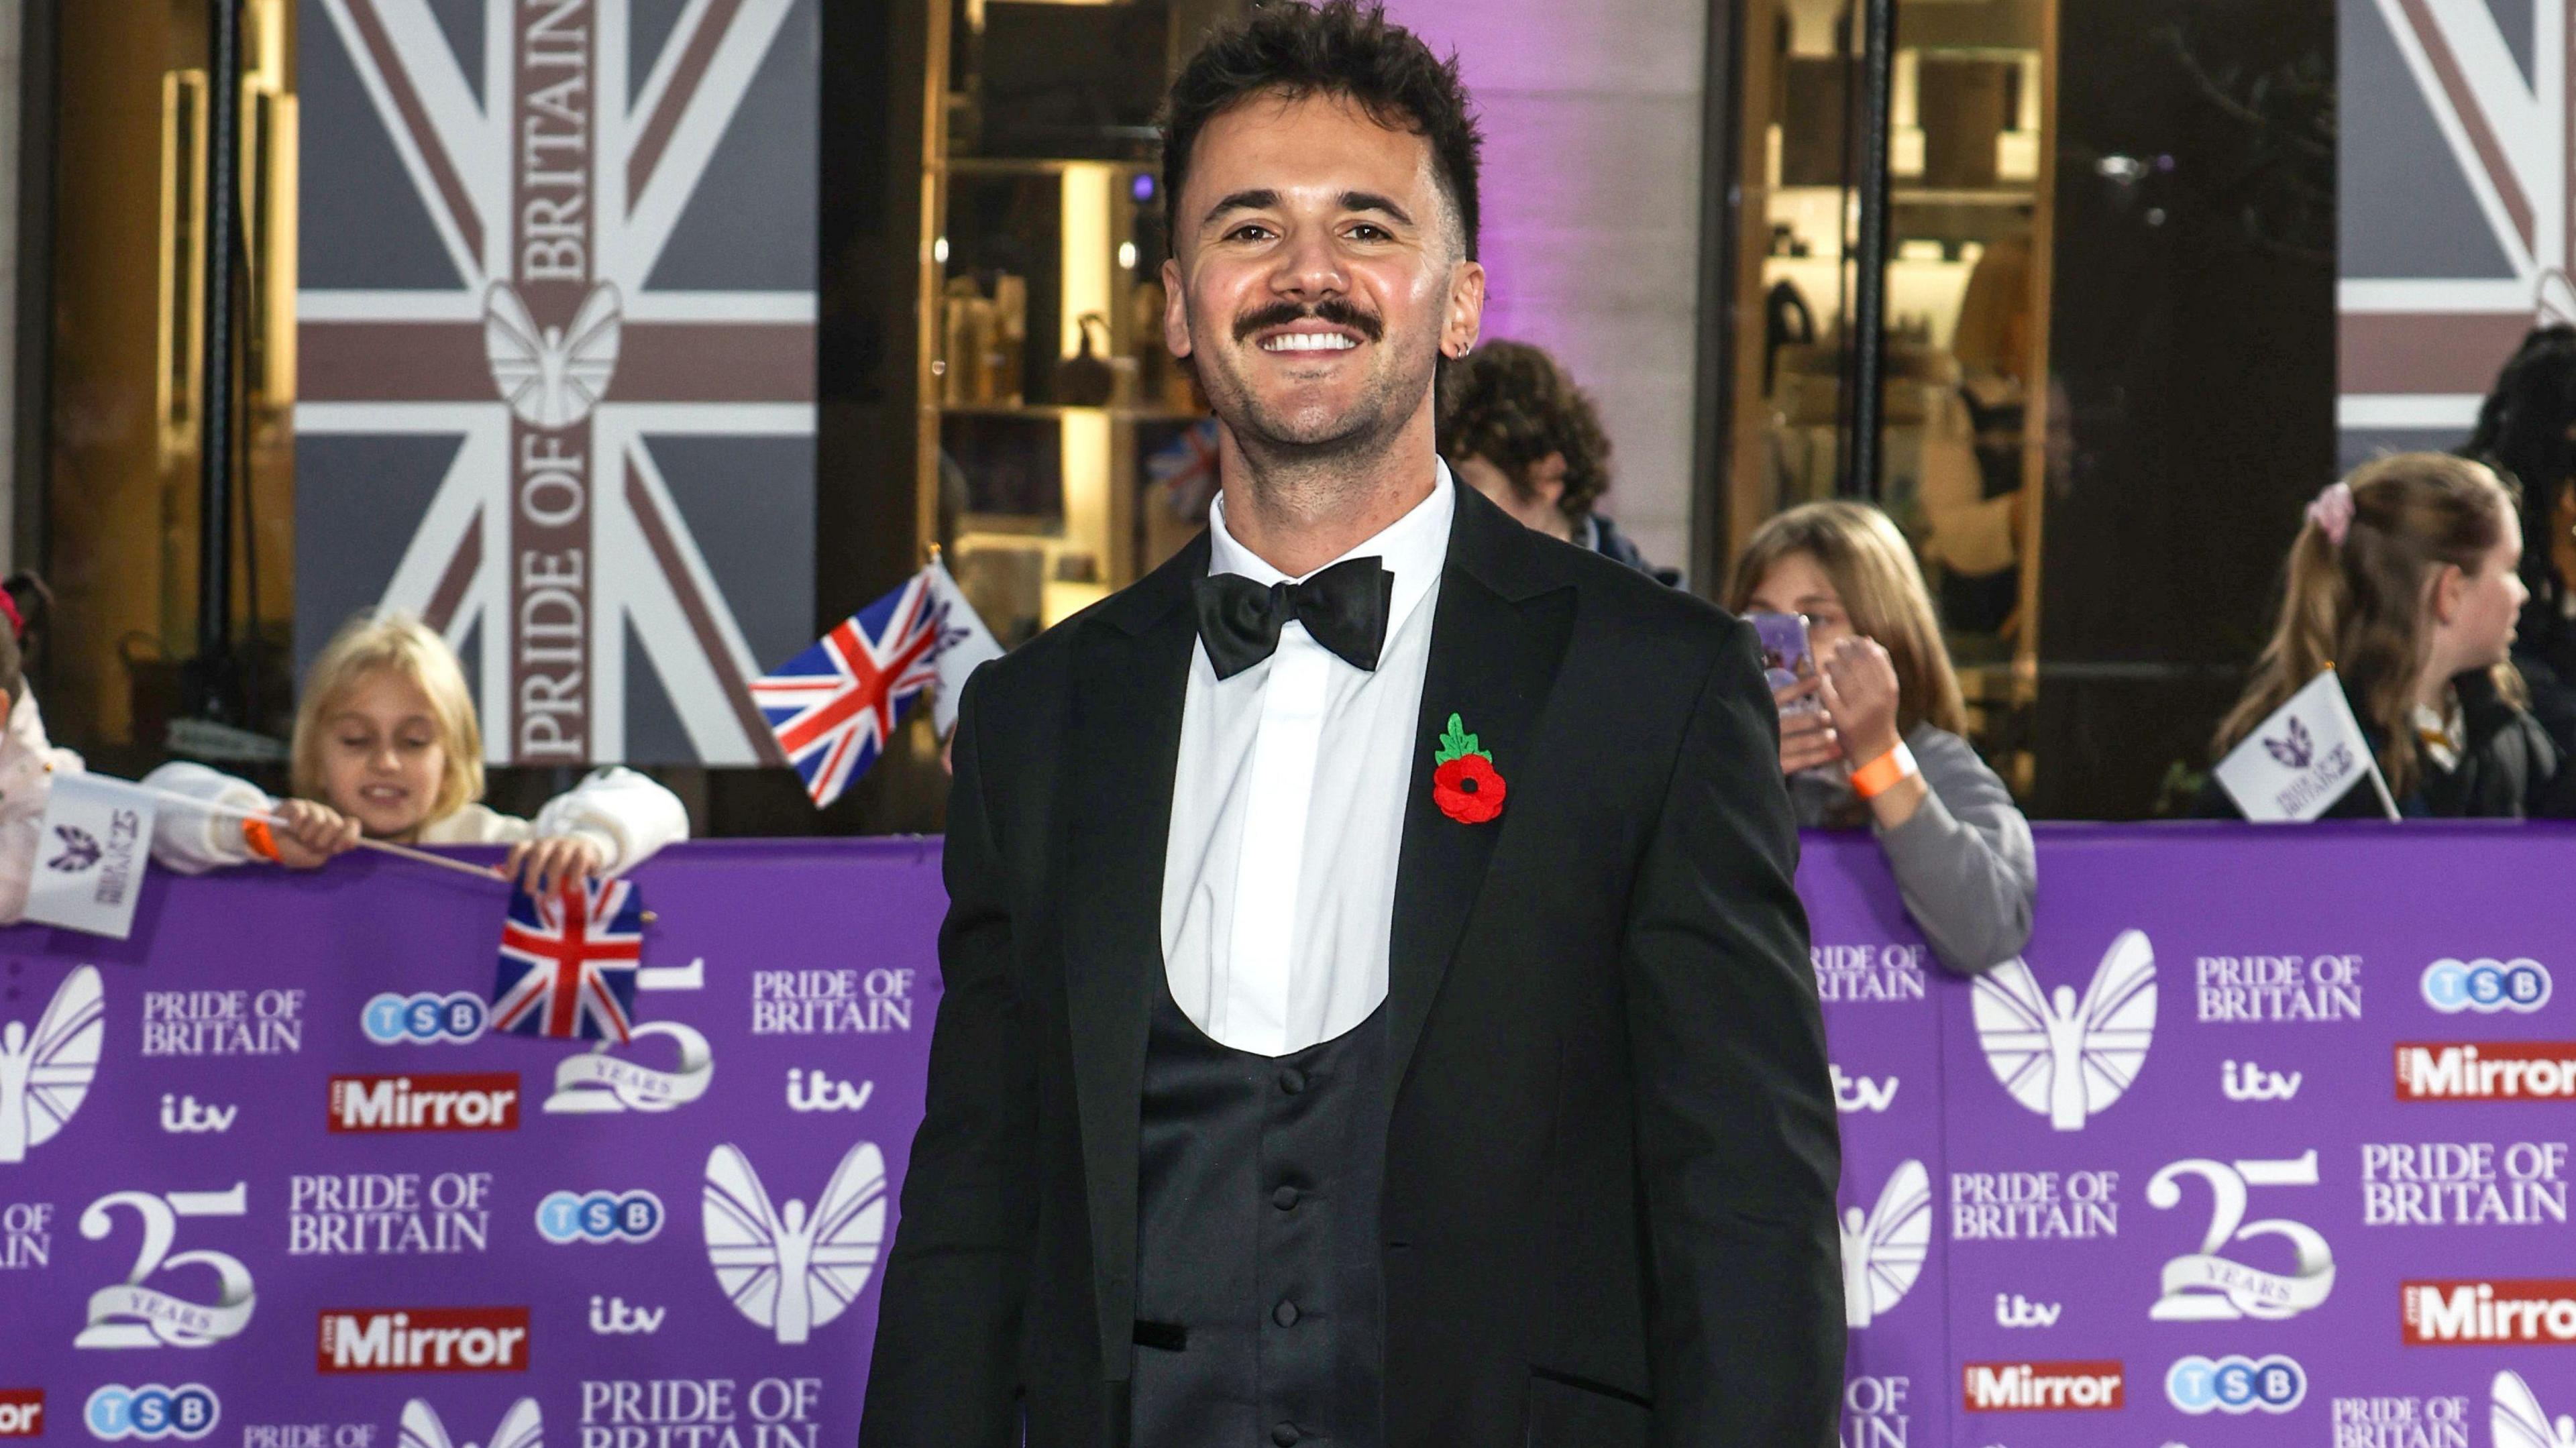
[1388, 399]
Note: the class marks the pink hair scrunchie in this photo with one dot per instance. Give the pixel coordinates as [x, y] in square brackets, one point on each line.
[2332, 512]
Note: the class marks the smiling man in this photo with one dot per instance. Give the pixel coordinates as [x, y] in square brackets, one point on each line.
[1377, 1012]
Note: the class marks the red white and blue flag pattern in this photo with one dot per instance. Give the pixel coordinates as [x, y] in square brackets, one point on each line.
[2458, 229]
[554, 354]
[834, 706]
[569, 962]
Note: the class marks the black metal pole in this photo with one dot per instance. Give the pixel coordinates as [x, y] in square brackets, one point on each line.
[215, 416]
[1868, 373]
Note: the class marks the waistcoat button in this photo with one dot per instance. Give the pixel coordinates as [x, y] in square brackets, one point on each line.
[1292, 1080]
[1284, 1435]
[1285, 1315]
[1284, 1198]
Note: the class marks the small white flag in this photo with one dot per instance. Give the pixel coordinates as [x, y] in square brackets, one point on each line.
[88, 870]
[964, 646]
[2301, 760]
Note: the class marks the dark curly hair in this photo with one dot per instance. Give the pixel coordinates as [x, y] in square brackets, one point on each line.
[1341, 48]
[2522, 432]
[1512, 405]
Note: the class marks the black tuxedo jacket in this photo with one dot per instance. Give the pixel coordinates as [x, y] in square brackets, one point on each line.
[1609, 1197]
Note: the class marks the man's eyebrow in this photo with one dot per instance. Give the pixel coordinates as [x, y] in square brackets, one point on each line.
[1371, 201]
[1264, 198]
[1257, 200]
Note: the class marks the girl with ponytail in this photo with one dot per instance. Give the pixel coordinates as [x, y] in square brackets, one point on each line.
[2405, 579]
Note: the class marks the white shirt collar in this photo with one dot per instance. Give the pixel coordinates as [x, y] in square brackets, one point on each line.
[2443, 735]
[1413, 548]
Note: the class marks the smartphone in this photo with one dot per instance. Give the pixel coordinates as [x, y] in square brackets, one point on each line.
[1786, 658]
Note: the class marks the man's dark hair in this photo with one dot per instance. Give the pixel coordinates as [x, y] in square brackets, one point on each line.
[1342, 48]
[1512, 405]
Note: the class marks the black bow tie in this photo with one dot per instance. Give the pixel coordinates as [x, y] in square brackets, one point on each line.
[1344, 608]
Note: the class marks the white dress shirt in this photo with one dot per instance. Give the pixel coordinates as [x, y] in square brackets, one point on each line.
[1288, 809]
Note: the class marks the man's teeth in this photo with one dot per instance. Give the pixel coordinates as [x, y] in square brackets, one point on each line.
[1309, 342]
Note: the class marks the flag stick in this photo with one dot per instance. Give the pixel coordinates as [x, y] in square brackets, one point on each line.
[226, 811]
[2378, 782]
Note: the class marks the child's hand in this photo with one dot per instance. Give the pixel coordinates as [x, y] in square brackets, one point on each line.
[308, 833]
[543, 866]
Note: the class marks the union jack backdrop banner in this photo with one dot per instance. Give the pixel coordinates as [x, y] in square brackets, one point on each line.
[556, 355]
[2458, 222]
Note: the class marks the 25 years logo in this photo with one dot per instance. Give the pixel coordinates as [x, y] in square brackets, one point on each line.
[2067, 1059]
[2206, 1286]
[602, 1082]
[130, 1314]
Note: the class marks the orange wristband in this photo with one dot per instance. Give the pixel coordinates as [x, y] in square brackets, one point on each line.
[1884, 773]
[255, 834]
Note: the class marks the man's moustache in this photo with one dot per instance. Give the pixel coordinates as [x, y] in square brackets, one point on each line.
[1340, 314]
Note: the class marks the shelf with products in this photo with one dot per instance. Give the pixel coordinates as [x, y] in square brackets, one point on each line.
[1065, 450]
[1050, 386]
[1961, 449]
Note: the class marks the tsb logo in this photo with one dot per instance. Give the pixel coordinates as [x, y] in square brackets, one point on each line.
[2236, 1384]
[599, 1217]
[424, 1018]
[22, 1412]
[2486, 986]
[152, 1412]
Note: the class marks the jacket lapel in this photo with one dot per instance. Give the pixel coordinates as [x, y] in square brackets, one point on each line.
[1497, 635]
[1122, 743]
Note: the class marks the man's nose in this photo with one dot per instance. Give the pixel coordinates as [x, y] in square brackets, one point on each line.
[1310, 266]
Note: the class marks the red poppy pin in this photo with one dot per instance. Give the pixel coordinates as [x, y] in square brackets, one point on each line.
[1464, 782]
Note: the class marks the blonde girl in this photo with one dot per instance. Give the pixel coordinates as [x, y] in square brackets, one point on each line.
[387, 746]
[1886, 745]
[2405, 578]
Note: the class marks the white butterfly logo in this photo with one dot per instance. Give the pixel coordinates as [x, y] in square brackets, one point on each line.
[787, 1271]
[43, 1078]
[551, 377]
[521, 1427]
[1883, 1252]
[2069, 1061]
[2517, 1422]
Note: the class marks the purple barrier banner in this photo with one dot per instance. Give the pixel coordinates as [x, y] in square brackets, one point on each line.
[267, 1178]
[2263, 1141]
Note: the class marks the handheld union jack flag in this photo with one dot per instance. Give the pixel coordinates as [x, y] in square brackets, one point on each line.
[568, 962]
[1186, 470]
[834, 706]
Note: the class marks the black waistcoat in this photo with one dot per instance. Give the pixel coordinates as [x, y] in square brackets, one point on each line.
[1259, 1299]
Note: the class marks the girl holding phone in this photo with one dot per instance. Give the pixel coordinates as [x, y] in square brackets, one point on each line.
[1874, 736]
